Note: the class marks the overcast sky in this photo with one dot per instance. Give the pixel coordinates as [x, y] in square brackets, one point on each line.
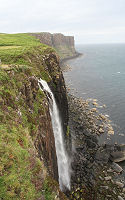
[90, 21]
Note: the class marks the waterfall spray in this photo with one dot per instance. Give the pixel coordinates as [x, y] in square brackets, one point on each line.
[62, 157]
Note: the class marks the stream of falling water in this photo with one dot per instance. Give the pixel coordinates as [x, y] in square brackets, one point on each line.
[62, 157]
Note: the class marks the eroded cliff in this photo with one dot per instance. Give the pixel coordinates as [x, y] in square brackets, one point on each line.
[63, 44]
[28, 163]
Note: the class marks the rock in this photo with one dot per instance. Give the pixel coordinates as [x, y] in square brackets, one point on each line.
[124, 190]
[109, 196]
[105, 187]
[95, 104]
[110, 129]
[100, 178]
[116, 167]
[102, 156]
[91, 144]
[114, 191]
[101, 130]
[110, 170]
[94, 110]
[111, 132]
[120, 198]
[102, 117]
[119, 184]
[117, 156]
[107, 178]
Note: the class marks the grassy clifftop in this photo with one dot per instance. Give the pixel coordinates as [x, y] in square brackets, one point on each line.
[14, 47]
[22, 106]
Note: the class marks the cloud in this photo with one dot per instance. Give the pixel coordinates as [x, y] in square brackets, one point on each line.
[88, 20]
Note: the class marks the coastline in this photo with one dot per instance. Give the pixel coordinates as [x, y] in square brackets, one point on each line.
[92, 166]
[62, 61]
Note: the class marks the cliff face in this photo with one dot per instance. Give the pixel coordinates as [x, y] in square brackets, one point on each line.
[27, 146]
[63, 44]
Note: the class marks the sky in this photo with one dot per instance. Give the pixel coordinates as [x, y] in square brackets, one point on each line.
[90, 21]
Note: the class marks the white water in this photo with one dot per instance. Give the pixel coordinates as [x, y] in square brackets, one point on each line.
[62, 157]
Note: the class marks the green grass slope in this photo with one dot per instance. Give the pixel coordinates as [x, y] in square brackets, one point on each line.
[13, 47]
[22, 174]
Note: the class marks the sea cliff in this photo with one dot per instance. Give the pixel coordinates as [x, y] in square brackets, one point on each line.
[28, 163]
[64, 45]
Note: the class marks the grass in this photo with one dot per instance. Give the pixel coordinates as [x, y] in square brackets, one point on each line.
[9, 47]
[16, 169]
[22, 174]
[13, 47]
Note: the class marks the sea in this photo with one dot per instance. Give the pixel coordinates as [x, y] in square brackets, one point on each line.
[99, 73]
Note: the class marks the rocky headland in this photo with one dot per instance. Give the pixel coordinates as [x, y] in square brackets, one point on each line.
[28, 161]
[64, 45]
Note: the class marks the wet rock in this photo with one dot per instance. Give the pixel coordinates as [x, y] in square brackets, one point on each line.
[123, 190]
[119, 184]
[102, 117]
[108, 178]
[109, 196]
[94, 110]
[109, 170]
[111, 132]
[116, 167]
[102, 156]
[91, 144]
[120, 198]
[95, 104]
[117, 156]
[104, 187]
[101, 130]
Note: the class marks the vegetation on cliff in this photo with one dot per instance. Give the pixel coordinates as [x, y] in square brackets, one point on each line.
[64, 45]
[25, 120]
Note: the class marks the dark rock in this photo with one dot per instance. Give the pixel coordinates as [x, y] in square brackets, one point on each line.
[102, 156]
[91, 144]
[117, 156]
[116, 168]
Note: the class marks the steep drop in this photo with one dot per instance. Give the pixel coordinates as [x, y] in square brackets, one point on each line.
[62, 157]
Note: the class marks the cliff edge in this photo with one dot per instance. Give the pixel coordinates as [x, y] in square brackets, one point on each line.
[28, 163]
[64, 45]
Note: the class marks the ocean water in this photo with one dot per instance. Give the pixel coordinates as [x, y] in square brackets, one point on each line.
[100, 74]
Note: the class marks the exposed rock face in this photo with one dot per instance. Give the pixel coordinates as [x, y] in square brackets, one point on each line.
[44, 138]
[118, 153]
[36, 105]
[44, 141]
[63, 44]
[61, 40]
[58, 87]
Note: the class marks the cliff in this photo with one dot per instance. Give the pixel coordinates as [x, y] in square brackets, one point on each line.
[64, 45]
[28, 163]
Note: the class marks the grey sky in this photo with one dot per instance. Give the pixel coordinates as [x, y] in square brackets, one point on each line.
[90, 21]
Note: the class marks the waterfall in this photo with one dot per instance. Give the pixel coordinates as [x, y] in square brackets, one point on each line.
[62, 157]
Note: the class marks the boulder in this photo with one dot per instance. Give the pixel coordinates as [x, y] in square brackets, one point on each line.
[117, 156]
[119, 184]
[120, 198]
[108, 178]
[116, 167]
[102, 156]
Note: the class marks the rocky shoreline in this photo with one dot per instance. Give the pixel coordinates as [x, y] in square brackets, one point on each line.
[63, 61]
[94, 174]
